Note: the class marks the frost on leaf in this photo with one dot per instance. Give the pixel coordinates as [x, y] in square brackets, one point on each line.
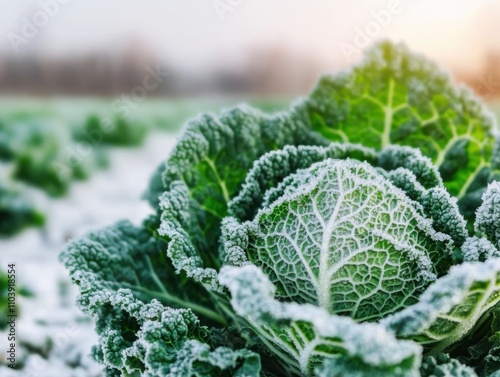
[346, 239]
[129, 257]
[477, 249]
[214, 154]
[273, 167]
[450, 308]
[145, 311]
[205, 171]
[443, 210]
[405, 180]
[269, 176]
[138, 339]
[443, 365]
[304, 336]
[488, 214]
[187, 248]
[393, 157]
[396, 97]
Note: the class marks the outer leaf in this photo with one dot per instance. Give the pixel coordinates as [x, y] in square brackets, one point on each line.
[304, 336]
[451, 307]
[152, 340]
[215, 153]
[155, 187]
[273, 167]
[124, 256]
[187, 250]
[345, 239]
[444, 366]
[198, 360]
[443, 210]
[129, 286]
[492, 359]
[482, 350]
[477, 249]
[393, 157]
[405, 180]
[203, 173]
[395, 97]
[488, 214]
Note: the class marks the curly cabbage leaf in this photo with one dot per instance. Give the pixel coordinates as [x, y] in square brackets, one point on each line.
[347, 240]
[443, 365]
[315, 242]
[402, 98]
[477, 249]
[270, 170]
[451, 307]
[488, 214]
[304, 336]
[482, 352]
[147, 315]
[204, 172]
[407, 168]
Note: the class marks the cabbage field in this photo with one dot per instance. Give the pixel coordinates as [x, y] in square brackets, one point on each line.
[39, 212]
[351, 232]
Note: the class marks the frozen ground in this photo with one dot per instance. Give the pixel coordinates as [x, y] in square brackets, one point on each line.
[54, 337]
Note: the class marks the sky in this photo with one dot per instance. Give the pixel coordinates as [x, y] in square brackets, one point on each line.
[198, 33]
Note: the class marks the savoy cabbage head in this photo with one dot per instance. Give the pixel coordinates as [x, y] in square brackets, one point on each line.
[357, 234]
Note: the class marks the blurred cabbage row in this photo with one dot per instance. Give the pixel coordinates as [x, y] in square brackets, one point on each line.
[47, 147]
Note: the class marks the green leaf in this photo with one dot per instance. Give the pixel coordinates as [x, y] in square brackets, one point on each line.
[305, 336]
[343, 238]
[492, 359]
[477, 249]
[215, 153]
[393, 157]
[152, 340]
[127, 257]
[155, 187]
[444, 366]
[488, 214]
[481, 349]
[131, 287]
[443, 210]
[210, 163]
[396, 97]
[187, 248]
[273, 167]
[405, 180]
[197, 360]
[205, 171]
[17, 212]
[451, 307]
